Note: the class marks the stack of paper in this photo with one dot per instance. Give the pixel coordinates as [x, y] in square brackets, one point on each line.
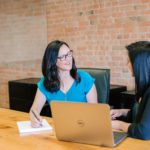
[25, 127]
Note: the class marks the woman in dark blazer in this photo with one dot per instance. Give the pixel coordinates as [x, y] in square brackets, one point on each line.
[139, 54]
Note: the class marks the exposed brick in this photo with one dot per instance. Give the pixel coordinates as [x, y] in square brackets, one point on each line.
[97, 31]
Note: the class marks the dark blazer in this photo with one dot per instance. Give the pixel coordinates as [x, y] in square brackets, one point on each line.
[141, 127]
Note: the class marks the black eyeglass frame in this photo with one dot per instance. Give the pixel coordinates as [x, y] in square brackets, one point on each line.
[63, 57]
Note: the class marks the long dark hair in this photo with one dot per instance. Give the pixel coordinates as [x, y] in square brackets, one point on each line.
[49, 68]
[139, 54]
[135, 48]
[141, 69]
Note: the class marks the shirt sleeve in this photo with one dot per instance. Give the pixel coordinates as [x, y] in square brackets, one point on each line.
[87, 80]
[141, 128]
[41, 87]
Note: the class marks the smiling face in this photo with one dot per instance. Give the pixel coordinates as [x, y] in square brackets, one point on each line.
[64, 60]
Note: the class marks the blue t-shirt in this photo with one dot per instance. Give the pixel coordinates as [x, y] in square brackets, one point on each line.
[76, 93]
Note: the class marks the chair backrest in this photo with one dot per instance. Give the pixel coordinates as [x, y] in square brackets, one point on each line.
[102, 82]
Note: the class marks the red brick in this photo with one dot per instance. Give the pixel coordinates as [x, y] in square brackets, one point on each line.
[97, 31]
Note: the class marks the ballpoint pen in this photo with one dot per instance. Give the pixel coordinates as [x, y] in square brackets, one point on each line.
[36, 117]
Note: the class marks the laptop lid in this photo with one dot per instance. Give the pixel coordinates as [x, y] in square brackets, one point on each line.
[83, 123]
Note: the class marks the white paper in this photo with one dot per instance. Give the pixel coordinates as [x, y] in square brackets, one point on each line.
[25, 127]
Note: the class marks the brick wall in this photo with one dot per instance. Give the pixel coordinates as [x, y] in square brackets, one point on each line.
[97, 31]
[23, 30]
[13, 71]
[23, 37]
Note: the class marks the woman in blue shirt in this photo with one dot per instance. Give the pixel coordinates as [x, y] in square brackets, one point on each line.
[61, 80]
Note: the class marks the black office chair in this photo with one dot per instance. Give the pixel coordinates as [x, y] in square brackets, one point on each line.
[102, 82]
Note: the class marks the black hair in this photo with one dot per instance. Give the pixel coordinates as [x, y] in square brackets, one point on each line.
[139, 54]
[135, 48]
[141, 69]
[49, 68]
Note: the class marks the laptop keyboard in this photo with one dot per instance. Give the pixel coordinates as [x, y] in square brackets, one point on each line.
[119, 136]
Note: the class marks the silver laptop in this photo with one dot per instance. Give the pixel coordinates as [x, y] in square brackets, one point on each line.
[84, 123]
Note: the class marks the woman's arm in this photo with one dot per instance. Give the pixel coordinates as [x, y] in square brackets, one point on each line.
[116, 124]
[114, 113]
[36, 108]
[141, 128]
[92, 95]
[120, 125]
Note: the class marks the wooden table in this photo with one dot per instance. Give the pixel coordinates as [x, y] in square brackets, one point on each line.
[10, 138]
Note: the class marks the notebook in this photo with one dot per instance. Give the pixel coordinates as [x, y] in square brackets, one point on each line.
[84, 123]
[25, 127]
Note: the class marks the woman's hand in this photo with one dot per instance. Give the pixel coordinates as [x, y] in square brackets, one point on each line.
[39, 101]
[114, 113]
[36, 120]
[120, 125]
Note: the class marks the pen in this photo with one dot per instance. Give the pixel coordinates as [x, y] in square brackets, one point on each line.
[36, 117]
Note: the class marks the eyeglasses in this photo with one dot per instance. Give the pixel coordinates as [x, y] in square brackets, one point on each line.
[63, 57]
